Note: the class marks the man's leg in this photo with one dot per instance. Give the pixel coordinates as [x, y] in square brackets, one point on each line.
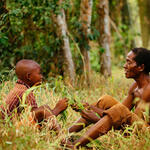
[115, 116]
[79, 125]
[98, 129]
[105, 102]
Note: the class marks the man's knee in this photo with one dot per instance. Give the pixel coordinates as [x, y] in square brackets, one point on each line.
[119, 114]
[105, 102]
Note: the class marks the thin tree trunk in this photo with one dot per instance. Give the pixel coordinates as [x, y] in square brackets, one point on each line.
[62, 32]
[126, 20]
[115, 10]
[3, 7]
[104, 40]
[144, 13]
[135, 21]
[85, 19]
[125, 13]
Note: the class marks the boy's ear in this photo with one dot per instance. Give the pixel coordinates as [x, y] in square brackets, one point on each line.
[141, 67]
[28, 76]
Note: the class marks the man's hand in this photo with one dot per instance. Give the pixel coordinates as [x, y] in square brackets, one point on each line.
[77, 108]
[90, 115]
[67, 144]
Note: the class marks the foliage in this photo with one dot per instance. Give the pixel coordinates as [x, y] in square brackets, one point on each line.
[75, 28]
[27, 31]
[122, 45]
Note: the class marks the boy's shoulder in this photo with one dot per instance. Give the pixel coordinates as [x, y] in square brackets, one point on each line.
[16, 92]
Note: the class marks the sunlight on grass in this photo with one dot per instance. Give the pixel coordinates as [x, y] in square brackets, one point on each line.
[24, 136]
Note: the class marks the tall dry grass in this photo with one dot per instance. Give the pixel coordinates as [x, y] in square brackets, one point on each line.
[14, 136]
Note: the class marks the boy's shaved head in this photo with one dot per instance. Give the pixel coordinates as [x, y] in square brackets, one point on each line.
[24, 67]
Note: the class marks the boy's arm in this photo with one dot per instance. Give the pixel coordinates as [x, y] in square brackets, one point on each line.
[60, 106]
[32, 101]
[11, 105]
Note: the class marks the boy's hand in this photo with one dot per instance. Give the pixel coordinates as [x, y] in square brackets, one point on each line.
[62, 104]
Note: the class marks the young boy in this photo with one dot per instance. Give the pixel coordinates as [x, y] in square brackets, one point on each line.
[29, 74]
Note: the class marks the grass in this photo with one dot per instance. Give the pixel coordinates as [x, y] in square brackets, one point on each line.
[26, 137]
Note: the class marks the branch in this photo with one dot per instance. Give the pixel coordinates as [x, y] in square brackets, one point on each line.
[77, 47]
[115, 28]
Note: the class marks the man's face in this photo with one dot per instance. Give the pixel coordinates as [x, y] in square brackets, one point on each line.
[36, 76]
[130, 67]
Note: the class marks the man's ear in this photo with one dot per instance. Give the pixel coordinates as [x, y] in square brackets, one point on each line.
[141, 67]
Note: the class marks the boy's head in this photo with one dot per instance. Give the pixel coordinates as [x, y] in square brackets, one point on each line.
[29, 72]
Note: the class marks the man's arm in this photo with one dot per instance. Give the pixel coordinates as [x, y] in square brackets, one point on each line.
[90, 116]
[128, 101]
[93, 114]
[146, 94]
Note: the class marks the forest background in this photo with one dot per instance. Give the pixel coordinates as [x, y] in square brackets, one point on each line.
[72, 37]
[81, 46]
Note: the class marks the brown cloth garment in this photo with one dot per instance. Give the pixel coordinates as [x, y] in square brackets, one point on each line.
[118, 113]
[14, 98]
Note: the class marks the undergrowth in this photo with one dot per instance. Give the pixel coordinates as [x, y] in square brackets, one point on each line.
[24, 136]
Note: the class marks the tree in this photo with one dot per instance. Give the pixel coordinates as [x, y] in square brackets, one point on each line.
[62, 33]
[104, 40]
[144, 13]
[85, 19]
[135, 22]
[3, 7]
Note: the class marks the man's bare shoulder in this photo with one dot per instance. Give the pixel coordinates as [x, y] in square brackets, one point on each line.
[146, 93]
[132, 88]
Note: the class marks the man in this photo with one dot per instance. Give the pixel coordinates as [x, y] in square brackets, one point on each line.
[114, 113]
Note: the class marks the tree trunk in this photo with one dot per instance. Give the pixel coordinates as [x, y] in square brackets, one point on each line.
[135, 22]
[3, 7]
[125, 13]
[126, 20]
[85, 19]
[115, 7]
[104, 40]
[62, 33]
[144, 13]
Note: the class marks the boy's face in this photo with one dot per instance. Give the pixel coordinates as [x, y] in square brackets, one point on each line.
[36, 76]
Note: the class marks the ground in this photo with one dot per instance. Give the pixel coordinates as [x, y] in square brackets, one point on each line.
[26, 137]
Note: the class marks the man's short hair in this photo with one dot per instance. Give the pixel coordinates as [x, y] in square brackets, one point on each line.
[142, 56]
